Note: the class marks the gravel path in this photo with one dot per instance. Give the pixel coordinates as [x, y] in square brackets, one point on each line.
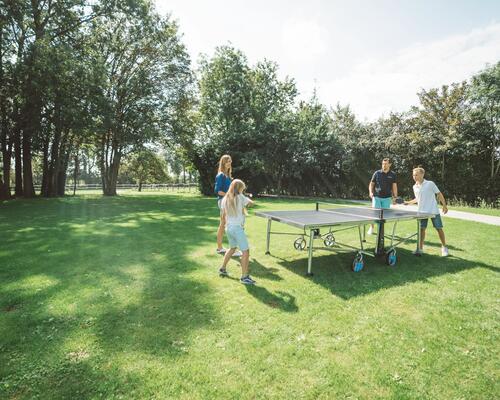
[485, 219]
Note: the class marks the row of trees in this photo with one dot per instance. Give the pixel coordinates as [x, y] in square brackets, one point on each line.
[74, 73]
[88, 86]
[284, 146]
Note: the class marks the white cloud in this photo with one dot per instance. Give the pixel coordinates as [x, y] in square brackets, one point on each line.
[378, 86]
[303, 39]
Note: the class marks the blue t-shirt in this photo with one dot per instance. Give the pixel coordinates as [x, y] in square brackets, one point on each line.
[222, 183]
[383, 183]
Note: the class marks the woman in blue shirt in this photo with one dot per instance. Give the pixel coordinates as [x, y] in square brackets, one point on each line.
[222, 182]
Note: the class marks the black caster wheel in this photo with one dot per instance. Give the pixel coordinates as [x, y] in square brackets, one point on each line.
[329, 240]
[300, 243]
[391, 258]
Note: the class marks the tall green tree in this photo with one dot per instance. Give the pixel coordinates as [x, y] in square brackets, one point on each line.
[145, 166]
[224, 110]
[33, 29]
[144, 69]
[484, 93]
[442, 113]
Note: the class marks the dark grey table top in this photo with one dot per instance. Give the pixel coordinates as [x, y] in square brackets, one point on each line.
[339, 216]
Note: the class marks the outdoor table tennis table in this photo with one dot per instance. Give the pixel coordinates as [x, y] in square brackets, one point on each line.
[334, 220]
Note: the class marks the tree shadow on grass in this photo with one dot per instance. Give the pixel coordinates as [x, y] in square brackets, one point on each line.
[334, 271]
[138, 243]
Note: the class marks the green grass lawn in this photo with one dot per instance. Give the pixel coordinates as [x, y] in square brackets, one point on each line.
[118, 298]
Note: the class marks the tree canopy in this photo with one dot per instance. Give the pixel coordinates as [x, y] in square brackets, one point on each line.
[87, 84]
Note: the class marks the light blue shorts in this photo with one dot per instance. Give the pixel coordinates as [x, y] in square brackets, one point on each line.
[437, 222]
[237, 237]
[381, 202]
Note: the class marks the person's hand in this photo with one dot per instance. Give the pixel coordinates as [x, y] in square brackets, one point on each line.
[250, 195]
[445, 209]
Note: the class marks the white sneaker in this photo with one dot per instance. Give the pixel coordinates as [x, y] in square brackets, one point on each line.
[237, 253]
[444, 251]
[418, 252]
[370, 230]
[221, 251]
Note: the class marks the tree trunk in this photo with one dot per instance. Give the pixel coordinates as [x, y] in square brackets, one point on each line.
[76, 171]
[140, 185]
[28, 188]
[18, 191]
[5, 139]
[61, 182]
[31, 124]
[109, 171]
[6, 146]
[46, 178]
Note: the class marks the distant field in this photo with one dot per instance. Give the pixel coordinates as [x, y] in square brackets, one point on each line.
[118, 298]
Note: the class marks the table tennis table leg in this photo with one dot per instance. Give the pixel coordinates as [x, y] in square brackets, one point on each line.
[268, 240]
[311, 243]
[417, 251]
[361, 236]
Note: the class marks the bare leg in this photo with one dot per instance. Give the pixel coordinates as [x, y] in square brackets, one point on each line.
[227, 257]
[220, 232]
[441, 236]
[422, 238]
[244, 262]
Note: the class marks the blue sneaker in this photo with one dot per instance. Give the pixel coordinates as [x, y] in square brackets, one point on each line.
[246, 280]
[223, 272]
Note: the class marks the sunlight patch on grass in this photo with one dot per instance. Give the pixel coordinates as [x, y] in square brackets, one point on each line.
[33, 283]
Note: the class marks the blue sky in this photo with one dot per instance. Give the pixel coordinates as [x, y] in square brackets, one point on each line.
[373, 55]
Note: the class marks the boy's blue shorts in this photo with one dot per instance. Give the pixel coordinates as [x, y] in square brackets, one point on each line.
[381, 202]
[237, 237]
[437, 222]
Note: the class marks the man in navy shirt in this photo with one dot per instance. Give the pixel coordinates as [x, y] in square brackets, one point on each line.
[383, 187]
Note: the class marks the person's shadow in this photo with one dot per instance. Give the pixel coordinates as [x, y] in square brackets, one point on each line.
[280, 300]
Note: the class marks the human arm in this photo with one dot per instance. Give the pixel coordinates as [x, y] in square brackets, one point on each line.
[394, 192]
[442, 200]
[247, 202]
[371, 187]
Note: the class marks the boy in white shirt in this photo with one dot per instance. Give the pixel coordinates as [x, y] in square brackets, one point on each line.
[233, 206]
[425, 195]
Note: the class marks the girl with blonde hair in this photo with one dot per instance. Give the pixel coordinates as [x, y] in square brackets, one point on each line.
[233, 208]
